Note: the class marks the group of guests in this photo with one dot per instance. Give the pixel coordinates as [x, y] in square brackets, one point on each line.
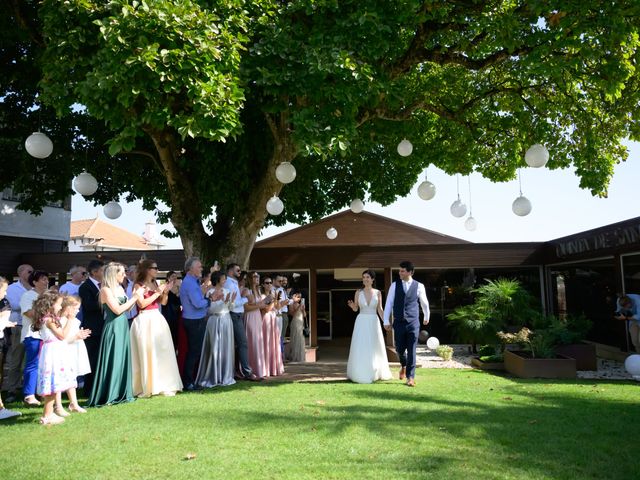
[127, 346]
[235, 325]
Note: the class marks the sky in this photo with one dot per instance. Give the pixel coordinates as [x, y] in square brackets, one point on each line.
[560, 207]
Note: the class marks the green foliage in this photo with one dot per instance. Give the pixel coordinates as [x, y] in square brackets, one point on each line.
[213, 94]
[492, 358]
[550, 333]
[486, 350]
[497, 304]
[445, 352]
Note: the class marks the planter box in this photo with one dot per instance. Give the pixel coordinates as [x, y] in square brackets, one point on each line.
[476, 362]
[583, 353]
[521, 366]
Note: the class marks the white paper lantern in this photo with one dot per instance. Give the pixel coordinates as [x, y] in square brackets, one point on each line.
[357, 205]
[433, 343]
[286, 172]
[521, 206]
[470, 224]
[632, 365]
[85, 184]
[112, 210]
[38, 145]
[275, 206]
[426, 190]
[458, 209]
[405, 148]
[332, 233]
[537, 156]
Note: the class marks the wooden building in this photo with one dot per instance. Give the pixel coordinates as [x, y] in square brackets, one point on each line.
[579, 273]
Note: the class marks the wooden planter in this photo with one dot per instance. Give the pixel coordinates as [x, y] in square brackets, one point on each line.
[583, 353]
[476, 362]
[518, 364]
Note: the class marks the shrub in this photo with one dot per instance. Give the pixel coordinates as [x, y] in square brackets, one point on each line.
[445, 352]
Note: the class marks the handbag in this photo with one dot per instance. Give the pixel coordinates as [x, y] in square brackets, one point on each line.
[305, 329]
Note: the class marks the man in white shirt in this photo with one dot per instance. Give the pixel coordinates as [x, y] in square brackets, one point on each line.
[283, 312]
[15, 354]
[403, 298]
[78, 274]
[237, 317]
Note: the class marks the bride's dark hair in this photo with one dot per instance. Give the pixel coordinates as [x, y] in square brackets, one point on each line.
[372, 274]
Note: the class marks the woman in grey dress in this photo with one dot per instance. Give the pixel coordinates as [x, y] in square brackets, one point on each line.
[217, 358]
[297, 340]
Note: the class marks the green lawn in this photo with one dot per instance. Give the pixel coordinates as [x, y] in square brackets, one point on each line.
[454, 424]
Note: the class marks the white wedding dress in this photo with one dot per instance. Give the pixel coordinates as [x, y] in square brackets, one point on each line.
[367, 355]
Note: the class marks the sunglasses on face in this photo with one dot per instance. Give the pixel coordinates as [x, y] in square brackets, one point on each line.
[267, 283]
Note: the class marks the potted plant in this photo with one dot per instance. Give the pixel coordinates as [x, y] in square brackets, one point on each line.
[445, 352]
[567, 336]
[537, 357]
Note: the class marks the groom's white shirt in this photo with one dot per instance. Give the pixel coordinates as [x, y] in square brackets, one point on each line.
[391, 295]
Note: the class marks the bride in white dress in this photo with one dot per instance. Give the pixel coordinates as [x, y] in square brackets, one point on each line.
[367, 355]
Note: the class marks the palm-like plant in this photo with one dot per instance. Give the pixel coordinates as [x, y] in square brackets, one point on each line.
[498, 304]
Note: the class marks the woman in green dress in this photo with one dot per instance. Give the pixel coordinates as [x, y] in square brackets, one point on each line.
[112, 378]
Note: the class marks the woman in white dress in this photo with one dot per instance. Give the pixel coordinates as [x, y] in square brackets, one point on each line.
[153, 358]
[367, 355]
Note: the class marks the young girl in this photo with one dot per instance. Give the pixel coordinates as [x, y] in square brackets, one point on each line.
[54, 374]
[76, 350]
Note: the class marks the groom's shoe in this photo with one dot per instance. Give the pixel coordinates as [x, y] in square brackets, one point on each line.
[403, 373]
[411, 382]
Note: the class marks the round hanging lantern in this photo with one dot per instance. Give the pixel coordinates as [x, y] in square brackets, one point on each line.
[332, 233]
[85, 184]
[426, 190]
[632, 365]
[357, 205]
[275, 206]
[470, 224]
[458, 209]
[112, 210]
[521, 206]
[38, 145]
[405, 148]
[537, 156]
[286, 172]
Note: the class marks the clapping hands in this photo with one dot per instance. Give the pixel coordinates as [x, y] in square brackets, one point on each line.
[83, 333]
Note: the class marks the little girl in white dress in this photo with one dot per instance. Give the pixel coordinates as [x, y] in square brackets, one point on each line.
[76, 350]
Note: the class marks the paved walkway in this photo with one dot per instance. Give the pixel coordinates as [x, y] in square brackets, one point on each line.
[332, 365]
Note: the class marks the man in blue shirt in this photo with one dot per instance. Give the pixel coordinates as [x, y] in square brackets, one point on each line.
[194, 316]
[629, 309]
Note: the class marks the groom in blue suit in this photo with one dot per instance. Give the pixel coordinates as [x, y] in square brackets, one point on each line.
[403, 298]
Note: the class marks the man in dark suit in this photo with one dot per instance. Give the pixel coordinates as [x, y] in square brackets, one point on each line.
[92, 316]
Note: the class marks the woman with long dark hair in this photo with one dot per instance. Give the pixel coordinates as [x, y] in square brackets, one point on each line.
[154, 364]
[367, 355]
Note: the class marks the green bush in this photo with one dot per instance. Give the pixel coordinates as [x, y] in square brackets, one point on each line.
[498, 304]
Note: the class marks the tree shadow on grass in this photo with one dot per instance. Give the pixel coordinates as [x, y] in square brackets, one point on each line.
[549, 434]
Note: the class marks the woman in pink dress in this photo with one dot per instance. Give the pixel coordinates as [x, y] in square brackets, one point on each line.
[270, 330]
[253, 325]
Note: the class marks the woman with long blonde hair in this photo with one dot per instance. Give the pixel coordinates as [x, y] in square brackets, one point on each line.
[112, 379]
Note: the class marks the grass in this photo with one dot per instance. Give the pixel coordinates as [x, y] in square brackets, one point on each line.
[454, 424]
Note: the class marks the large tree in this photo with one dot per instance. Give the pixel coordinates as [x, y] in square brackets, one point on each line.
[195, 103]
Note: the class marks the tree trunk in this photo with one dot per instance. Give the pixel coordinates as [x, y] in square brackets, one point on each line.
[234, 243]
